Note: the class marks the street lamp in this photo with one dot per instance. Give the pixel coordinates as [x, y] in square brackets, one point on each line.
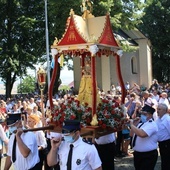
[47, 43]
[41, 77]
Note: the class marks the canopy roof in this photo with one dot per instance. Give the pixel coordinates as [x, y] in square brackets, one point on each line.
[90, 30]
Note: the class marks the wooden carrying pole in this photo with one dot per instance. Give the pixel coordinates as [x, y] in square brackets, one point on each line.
[50, 127]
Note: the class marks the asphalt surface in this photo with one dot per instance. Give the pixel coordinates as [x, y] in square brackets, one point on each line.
[125, 163]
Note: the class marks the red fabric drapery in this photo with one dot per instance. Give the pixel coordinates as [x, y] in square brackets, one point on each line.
[50, 90]
[118, 69]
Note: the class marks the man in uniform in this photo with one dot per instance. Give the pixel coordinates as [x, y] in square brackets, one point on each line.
[22, 147]
[144, 141]
[73, 153]
[163, 123]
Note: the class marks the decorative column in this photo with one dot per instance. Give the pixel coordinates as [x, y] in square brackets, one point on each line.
[105, 72]
[94, 86]
[94, 49]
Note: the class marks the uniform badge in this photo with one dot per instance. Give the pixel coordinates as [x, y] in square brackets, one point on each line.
[78, 162]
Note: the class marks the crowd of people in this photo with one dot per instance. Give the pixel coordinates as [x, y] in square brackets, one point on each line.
[147, 129]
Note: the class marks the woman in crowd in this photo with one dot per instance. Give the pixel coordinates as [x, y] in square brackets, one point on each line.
[4, 139]
[32, 121]
[126, 138]
[39, 114]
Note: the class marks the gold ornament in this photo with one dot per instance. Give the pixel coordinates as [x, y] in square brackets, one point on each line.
[94, 121]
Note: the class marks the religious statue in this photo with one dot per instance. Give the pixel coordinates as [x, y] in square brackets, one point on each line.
[85, 89]
[87, 8]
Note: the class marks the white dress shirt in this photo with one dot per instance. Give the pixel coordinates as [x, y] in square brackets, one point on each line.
[163, 124]
[84, 157]
[32, 159]
[41, 140]
[148, 143]
[106, 139]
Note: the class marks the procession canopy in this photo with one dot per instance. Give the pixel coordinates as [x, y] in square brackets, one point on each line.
[88, 36]
[83, 31]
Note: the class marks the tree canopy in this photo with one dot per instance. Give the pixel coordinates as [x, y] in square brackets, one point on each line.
[21, 37]
[156, 26]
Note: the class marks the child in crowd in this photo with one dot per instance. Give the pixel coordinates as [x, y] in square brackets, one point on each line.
[126, 138]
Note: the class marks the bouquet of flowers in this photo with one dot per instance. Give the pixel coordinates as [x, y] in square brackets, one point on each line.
[71, 109]
[110, 114]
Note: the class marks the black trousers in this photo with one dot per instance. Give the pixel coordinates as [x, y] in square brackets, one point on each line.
[164, 148]
[145, 160]
[106, 154]
[119, 143]
[36, 167]
[46, 167]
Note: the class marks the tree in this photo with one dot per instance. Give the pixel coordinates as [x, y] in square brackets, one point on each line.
[124, 13]
[27, 85]
[156, 25]
[19, 47]
[65, 88]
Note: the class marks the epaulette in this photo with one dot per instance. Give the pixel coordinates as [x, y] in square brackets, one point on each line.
[87, 141]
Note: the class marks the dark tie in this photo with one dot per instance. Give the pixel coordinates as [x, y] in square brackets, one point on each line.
[70, 157]
[14, 150]
[134, 139]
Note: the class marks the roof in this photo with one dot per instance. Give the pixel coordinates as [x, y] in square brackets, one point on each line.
[136, 35]
[81, 32]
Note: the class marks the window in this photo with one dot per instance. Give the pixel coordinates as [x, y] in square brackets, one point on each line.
[134, 65]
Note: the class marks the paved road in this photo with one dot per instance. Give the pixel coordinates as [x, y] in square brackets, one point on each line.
[125, 163]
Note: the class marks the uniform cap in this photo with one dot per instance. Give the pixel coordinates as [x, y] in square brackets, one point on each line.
[70, 126]
[13, 118]
[148, 109]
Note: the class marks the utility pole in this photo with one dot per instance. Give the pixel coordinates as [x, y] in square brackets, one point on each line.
[47, 44]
